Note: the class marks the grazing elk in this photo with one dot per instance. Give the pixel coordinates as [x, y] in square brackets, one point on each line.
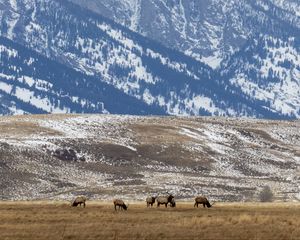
[202, 200]
[173, 203]
[165, 200]
[120, 204]
[78, 201]
[150, 201]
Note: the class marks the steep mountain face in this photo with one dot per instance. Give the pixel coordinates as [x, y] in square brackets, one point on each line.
[208, 30]
[31, 83]
[268, 68]
[159, 80]
[100, 48]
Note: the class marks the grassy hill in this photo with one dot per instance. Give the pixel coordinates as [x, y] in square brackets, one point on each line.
[105, 156]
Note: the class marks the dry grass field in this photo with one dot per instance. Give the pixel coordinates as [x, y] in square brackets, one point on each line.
[57, 220]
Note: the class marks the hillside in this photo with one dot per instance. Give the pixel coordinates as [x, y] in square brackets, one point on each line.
[104, 156]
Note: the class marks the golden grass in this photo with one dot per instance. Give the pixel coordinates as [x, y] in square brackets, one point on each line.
[15, 129]
[57, 220]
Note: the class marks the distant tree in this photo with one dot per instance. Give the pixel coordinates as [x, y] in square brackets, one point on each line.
[266, 194]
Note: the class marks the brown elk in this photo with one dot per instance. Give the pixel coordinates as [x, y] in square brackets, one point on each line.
[120, 203]
[150, 201]
[173, 203]
[165, 201]
[78, 201]
[202, 200]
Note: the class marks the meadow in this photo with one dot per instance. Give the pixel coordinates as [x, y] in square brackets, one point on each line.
[57, 220]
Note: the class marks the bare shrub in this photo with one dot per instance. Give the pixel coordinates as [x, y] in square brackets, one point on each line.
[266, 194]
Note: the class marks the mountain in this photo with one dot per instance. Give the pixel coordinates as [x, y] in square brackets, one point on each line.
[155, 78]
[268, 68]
[31, 83]
[105, 156]
[208, 30]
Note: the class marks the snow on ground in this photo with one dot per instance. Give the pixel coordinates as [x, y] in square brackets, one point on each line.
[106, 156]
[14, 19]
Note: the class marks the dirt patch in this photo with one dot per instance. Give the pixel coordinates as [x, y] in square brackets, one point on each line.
[24, 129]
[154, 134]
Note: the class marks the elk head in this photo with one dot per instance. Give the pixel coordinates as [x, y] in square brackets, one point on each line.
[210, 205]
[125, 207]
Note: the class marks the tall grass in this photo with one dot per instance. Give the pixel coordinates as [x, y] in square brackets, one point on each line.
[99, 221]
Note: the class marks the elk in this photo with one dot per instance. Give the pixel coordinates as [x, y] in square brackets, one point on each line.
[150, 201]
[202, 200]
[165, 200]
[173, 203]
[78, 201]
[120, 203]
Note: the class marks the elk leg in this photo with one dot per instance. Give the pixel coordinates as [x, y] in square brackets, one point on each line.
[204, 205]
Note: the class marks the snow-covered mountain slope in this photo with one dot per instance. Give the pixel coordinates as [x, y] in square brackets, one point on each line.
[97, 47]
[31, 83]
[156, 76]
[268, 69]
[208, 30]
[105, 156]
